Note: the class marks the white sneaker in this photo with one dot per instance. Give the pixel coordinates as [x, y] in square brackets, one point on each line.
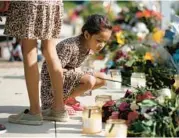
[51, 115]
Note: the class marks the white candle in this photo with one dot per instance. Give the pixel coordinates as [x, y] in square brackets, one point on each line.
[102, 99]
[114, 75]
[116, 128]
[138, 80]
[92, 120]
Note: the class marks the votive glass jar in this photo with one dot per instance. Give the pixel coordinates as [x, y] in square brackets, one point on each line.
[138, 79]
[116, 128]
[102, 99]
[92, 120]
[114, 75]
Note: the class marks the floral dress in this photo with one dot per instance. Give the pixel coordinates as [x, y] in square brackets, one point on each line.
[35, 19]
[71, 54]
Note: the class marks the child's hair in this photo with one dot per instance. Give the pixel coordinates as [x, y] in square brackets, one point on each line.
[96, 23]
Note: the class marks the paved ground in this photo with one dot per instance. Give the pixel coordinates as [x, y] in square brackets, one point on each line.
[14, 99]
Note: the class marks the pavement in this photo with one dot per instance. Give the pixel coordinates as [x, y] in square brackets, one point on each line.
[14, 99]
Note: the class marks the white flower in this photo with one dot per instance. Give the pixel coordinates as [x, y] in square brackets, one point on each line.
[134, 106]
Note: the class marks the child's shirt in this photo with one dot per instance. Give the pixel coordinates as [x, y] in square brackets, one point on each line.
[71, 53]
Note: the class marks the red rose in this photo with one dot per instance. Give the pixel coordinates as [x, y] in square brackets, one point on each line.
[116, 28]
[139, 98]
[109, 103]
[132, 116]
[146, 95]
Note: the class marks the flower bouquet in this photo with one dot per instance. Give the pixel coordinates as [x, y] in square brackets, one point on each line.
[146, 114]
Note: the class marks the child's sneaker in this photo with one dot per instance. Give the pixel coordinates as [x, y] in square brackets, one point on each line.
[2, 129]
[51, 115]
[25, 118]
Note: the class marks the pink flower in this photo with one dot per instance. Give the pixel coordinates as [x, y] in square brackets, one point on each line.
[109, 103]
[123, 106]
[114, 115]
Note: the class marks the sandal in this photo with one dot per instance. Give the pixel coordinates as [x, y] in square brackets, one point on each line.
[77, 107]
[71, 101]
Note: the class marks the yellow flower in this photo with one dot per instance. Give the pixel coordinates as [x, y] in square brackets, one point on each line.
[120, 38]
[157, 35]
[148, 56]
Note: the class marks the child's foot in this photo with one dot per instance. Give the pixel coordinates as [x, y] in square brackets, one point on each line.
[74, 104]
[71, 101]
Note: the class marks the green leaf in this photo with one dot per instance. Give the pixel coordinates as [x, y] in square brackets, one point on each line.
[138, 127]
[147, 103]
[130, 62]
[148, 122]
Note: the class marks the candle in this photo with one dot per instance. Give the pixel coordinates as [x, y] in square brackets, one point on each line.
[102, 99]
[92, 120]
[114, 74]
[116, 128]
[138, 80]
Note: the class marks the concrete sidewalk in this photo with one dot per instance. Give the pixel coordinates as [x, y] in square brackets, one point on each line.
[14, 99]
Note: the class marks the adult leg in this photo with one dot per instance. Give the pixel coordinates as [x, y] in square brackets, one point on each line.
[32, 117]
[55, 72]
[29, 51]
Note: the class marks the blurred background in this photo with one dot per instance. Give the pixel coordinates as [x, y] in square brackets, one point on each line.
[133, 21]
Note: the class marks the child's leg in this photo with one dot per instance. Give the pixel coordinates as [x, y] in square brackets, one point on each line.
[87, 82]
[99, 82]
[47, 97]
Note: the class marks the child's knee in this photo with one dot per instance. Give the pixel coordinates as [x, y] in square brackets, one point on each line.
[102, 81]
[91, 81]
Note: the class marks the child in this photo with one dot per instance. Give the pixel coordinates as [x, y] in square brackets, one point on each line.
[72, 52]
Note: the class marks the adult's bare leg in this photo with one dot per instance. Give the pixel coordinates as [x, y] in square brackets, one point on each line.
[55, 71]
[29, 50]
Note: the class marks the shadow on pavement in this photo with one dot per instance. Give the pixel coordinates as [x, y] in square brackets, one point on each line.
[12, 109]
[5, 111]
[14, 77]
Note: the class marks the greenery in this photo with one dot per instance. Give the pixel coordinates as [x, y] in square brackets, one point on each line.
[149, 113]
[68, 5]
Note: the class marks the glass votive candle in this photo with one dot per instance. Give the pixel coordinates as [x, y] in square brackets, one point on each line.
[138, 79]
[102, 99]
[92, 120]
[176, 84]
[116, 128]
[114, 74]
